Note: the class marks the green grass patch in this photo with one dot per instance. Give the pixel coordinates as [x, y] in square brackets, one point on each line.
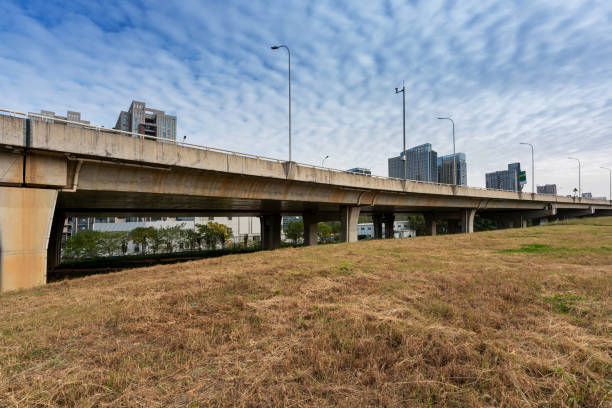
[544, 249]
[531, 249]
[563, 303]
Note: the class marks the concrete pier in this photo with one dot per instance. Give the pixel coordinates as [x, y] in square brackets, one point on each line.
[310, 228]
[26, 215]
[349, 217]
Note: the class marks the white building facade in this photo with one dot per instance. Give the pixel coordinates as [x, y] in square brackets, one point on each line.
[401, 229]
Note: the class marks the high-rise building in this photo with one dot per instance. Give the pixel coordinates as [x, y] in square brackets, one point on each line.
[505, 179]
[445, 169]
[147, 121]
[71, 116]
[421, 164]
[547, 189]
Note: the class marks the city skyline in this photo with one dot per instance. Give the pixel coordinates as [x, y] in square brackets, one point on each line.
[504, 73]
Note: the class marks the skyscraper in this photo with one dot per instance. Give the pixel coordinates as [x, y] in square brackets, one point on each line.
[421, 164]
[505, 179]
[445, 169]
[147, 121]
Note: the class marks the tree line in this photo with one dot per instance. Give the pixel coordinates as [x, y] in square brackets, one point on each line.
[326, 231]
[147, 240]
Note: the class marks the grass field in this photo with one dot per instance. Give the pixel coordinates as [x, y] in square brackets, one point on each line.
[514, 318]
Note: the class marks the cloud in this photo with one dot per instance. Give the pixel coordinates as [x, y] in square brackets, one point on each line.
[536, 71]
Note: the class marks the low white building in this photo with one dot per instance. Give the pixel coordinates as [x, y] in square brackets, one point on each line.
[401, 229]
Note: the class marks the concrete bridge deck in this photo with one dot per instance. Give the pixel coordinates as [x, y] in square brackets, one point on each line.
[49, 170]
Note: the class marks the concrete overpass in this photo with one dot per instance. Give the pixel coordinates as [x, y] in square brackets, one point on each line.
[53, 169]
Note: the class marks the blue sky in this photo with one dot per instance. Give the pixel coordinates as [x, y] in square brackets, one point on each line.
[506, 71]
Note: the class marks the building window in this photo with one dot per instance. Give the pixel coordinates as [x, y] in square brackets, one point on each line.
[229, 218]
[211, 218]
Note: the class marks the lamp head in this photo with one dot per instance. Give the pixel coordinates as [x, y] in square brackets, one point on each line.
[275, 47]
[396, 90]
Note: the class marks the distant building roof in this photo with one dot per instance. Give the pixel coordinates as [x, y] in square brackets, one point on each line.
[360, 170]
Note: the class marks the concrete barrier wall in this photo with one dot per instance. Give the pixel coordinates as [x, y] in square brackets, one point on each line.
[11, 168]
[109, 145]
[12, 131]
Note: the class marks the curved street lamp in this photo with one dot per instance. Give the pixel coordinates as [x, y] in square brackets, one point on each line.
[323, 161]
[276, 47]
[454, 154]
[403, 92]
[579, 165]
[610, 193]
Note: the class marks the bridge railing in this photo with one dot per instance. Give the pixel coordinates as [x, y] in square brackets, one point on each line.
[52, 119]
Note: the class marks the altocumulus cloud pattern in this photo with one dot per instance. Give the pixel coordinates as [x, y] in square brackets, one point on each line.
[506, 71]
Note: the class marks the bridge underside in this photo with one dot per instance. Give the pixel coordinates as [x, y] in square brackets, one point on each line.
[113, 203]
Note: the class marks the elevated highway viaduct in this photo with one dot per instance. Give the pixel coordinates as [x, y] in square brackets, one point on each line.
[50, 170]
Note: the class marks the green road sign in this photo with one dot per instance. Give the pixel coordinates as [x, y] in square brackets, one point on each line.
[523, 177]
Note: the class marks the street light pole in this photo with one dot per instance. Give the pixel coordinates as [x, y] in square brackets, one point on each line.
[323, 161]
[532, 168]
[610, 194]
[276, 47]
[454, 153]
[579, 186]
[403, 91]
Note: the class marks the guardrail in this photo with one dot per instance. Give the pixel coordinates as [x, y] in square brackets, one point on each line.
[231, 152]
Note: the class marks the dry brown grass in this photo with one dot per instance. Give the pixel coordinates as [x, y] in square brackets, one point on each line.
[445, 321]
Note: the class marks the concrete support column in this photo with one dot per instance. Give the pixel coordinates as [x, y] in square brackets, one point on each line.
[453, 226]
[505, 223]
[516, 222]
[467, 220]
[270, 231]
[310, 229]
[349, 217]
[389, 227]
[430, 225]
[377, 221]
[54, 248]
[26, 215]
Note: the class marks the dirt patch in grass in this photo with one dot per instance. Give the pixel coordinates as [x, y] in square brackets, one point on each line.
[436, 321]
